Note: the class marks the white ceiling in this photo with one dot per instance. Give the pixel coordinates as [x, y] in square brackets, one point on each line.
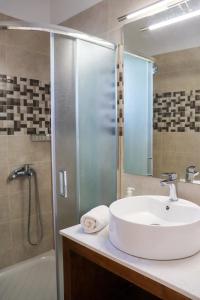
[29, 10]
[62, 10]
[179, 36]
[51, 11]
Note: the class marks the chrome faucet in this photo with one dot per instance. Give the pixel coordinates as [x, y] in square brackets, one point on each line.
[191, 173]
[22, 171]
[170, 182]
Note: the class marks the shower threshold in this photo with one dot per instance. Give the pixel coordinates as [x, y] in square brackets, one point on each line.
[31, 279]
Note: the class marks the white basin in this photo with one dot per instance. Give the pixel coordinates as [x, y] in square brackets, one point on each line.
[155, 228]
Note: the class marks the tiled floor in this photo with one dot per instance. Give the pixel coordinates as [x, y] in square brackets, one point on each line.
[30, 280]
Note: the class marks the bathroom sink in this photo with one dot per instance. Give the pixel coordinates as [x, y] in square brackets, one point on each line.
[155, 228]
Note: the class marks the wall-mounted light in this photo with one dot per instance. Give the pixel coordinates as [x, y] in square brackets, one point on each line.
[152, 9]
[175, 20]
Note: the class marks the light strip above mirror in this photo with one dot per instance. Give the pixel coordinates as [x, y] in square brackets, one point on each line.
[175, 20]
[152, 9]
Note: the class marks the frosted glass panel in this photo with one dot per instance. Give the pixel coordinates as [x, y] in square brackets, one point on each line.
[96, 125]
[63, 140]
[138, 108]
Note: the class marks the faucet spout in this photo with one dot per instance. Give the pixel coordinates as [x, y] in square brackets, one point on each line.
[172, 192]
[170, 182]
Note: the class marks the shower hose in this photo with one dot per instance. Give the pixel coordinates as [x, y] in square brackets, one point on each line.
[38, 217]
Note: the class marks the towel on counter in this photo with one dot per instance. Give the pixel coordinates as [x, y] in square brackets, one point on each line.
[96, 219]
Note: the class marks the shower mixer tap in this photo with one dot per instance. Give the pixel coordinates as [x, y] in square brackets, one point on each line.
[22, 171]
[27, 172]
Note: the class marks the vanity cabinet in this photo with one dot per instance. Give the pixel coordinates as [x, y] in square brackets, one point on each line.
[88, 275]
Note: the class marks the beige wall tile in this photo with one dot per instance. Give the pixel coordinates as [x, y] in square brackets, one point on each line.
[2, 57]
[21, 62]
[15, 151]
[46, 200]
[25, 54]
[33, 41]
[18, 204]
[41, 152]
[5, 242]
[17, 186]
[3, 176]
[175, 151]
[19, 230]
[43, 170]
[177, 70]
[143, 185]
[47, 224]
[4, 209]
[6, 258]
[151, 186]
[26, 251]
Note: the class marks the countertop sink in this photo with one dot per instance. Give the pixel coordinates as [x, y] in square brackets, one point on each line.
[153, 227]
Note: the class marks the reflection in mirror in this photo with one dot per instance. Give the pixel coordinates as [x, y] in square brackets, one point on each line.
[138, 115]
[175, 50]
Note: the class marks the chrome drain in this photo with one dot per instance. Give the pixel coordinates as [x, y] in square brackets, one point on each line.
[155, 224]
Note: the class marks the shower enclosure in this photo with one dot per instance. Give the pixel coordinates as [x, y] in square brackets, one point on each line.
[84, 130]
[83, 126]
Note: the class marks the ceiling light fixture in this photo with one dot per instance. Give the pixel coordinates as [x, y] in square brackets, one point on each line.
[175, 20]
[152, 9]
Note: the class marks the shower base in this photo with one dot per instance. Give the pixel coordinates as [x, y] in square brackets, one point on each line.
[31, 279]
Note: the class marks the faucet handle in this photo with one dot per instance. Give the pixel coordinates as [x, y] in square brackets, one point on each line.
[27, 166]
[192, 169]
[171, 176]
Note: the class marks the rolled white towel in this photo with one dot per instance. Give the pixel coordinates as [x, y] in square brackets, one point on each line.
[96, 219]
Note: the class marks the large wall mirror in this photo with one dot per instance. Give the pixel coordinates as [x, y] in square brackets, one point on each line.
[162, 93]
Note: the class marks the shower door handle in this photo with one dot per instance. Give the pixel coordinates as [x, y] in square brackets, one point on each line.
[63, 183]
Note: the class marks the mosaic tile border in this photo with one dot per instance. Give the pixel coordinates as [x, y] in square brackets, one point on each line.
[25, 106]
[120, 92]
[177, 111]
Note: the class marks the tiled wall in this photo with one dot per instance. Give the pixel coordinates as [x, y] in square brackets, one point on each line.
[24, 105]
[25, 66]
[177, 111]
[175, 151]
[15, 151]
[177, 71]
[177, 91]
[101, 20]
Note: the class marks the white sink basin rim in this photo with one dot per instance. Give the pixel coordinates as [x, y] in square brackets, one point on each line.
[155, 228]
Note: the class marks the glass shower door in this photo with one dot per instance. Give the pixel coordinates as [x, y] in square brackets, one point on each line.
[96, 125]
[63, 141]
[84, 135]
